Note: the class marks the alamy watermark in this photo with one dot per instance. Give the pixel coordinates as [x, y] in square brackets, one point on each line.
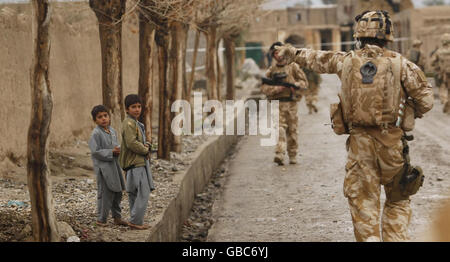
[260, 122]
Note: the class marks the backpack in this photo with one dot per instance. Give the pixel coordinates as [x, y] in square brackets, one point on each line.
[371, 90]
[444, 59]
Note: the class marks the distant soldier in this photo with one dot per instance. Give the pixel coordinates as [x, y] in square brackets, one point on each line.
[440, 61]
[288, 97]
[381, 94]
[438, 80]
[312, 95]
[416, 56]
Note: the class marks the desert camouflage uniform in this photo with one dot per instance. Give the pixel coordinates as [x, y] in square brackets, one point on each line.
[373, 157]
[288, 109]
[421, 62]
[444, 88]
[312, 95]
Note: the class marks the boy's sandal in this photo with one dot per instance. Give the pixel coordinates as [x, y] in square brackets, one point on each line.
[138, 227]
[100, 224]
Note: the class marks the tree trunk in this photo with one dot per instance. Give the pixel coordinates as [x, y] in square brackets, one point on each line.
[109, 14]
[194, 59]
[146, 36]
[42, 212]
[230, 63]
[219, 73]
[164, 142]
[211, 63]
[185, 44]
[178, 36]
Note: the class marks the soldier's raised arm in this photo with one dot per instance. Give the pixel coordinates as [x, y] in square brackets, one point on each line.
[322, 62]
[300, 77]
[417, 87]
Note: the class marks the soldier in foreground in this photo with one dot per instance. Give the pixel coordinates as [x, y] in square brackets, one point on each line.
[381, 94]
[288, 97]
[440, 61]
[416, 55]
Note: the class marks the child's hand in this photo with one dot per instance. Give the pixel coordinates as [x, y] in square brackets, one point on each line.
[116, 151]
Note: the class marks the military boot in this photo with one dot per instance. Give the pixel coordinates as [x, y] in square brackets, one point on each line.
[278, 159]
[293, 160]
[315, 109]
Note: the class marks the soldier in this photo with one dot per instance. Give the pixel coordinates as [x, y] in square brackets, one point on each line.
[416, 56]
[312, 95]
[438, 79]
[288, 97]
[440, 61]
[381, 94]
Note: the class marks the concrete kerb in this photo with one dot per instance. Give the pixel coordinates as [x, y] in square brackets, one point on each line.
[192, 181]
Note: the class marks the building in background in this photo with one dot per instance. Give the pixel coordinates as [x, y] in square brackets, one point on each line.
[325, 27]
[426, 24]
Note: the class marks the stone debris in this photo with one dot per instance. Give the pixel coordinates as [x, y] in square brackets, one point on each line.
[196, 227]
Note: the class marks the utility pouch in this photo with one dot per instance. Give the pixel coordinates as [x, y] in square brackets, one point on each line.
[337, 119]
[406, 183]
[409, 117]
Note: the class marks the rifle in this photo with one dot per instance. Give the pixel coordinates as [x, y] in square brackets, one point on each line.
[278, 80]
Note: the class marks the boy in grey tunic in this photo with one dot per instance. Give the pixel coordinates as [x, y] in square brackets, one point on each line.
[135, 161]
[104, 153]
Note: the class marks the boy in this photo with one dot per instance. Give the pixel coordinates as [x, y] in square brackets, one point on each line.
[110, 183]
[135, 161]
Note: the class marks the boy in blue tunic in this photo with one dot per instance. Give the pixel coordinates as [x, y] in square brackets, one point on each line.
[105, 150]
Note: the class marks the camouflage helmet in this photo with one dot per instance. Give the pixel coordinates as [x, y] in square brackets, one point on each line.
[272, 47]
[374, 24]
[417, 42]
[445, 39]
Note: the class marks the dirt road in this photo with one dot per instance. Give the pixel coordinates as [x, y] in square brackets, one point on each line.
[264, 202]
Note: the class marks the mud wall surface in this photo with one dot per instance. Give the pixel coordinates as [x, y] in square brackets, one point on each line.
[75, 72]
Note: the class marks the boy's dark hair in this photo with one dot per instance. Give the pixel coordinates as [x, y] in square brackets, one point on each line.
[132, 99]
[98, 109]
[272, 47]
[372, 41]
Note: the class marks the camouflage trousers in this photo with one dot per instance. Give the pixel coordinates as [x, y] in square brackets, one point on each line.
[370, 164]
[311, 98]
[444, 94]
[288, 130]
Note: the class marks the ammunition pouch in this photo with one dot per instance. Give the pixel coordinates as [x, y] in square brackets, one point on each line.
[337, 119]
[409, 116]
[408, 181]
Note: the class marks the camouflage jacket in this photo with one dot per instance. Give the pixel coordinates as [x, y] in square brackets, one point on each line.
[412, 79]
[416, 53]
[295, 75]
[436, 59]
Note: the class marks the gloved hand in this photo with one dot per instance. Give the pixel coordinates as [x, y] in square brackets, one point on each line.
[287, 52]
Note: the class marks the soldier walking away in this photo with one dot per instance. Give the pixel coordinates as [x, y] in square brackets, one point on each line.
[312, 95]
[381, 94]
[416, 56]
[440, 61]
[288, 122]
[438, 79]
